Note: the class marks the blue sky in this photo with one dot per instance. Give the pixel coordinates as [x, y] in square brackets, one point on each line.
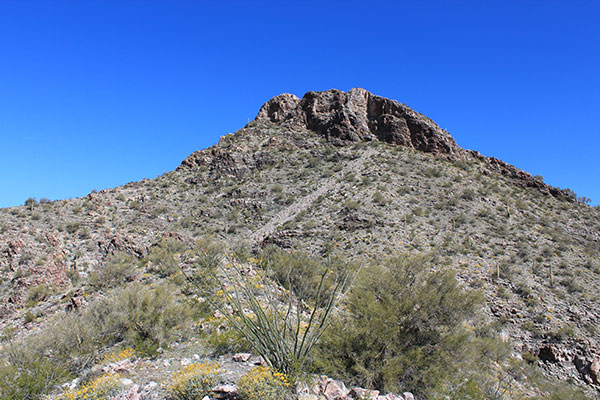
[95, 94]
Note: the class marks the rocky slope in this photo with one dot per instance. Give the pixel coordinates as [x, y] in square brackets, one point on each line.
[363, 172]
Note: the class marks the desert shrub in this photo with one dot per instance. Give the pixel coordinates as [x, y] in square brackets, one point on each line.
[298, 271]
[145, 317]
[163, 259]
[207, 257]
[262, 383]
[141, 316]
[119, 268]
[432, 172]
[379, 198]
[101, 388]
[31, 202]
[468, 194]
[72, 227]
[29, 378]
[193, 381]
[38, 293]
[67, 340]
[224, 339]
[405, 324]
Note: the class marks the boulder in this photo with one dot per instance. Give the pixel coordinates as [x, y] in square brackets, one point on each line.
[225, 392]
[360, 393]
[595, 371]
[241, 357]
[335, 390]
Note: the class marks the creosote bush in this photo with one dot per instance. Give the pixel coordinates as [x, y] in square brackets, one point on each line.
[163, 259]
[144, 317]
[118, 269]
[405, 324]
[30, 378]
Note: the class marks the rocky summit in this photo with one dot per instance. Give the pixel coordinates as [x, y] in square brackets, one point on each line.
[475, 279]
[359, 116]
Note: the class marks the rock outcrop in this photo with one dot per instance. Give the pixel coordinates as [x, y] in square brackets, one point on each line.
[358, 115]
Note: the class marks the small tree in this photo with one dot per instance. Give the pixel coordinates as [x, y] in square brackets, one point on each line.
[31, 202]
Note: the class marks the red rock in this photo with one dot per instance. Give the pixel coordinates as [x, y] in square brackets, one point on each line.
[225, 392]
[358, 115]
[241, 357]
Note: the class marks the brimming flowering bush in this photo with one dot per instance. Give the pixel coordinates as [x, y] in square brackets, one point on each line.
[193, 381]
[119, 355]
[263, 383]
[101, 388]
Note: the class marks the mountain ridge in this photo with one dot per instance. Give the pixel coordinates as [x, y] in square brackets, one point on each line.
[304, 175]
[358, 115]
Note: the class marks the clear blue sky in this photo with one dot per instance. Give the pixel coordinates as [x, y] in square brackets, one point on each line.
[95, 94]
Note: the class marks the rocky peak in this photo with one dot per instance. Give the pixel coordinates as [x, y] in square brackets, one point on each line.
[355, 116]
[358, 115]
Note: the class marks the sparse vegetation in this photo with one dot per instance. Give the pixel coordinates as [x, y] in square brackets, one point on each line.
[528, 252]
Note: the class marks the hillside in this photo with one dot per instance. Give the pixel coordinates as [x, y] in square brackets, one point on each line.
[363, 174]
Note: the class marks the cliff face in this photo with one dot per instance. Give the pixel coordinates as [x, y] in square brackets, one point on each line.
[357, 116]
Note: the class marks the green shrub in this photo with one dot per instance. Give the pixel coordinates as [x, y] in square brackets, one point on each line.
[29, 379]
[38, 293]
[141, 316]
[163, 259]
[72, 227]
[405, 323]
[225, 340]
[298, 271]
[379, 198]
[119, 268]
[145, 317]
